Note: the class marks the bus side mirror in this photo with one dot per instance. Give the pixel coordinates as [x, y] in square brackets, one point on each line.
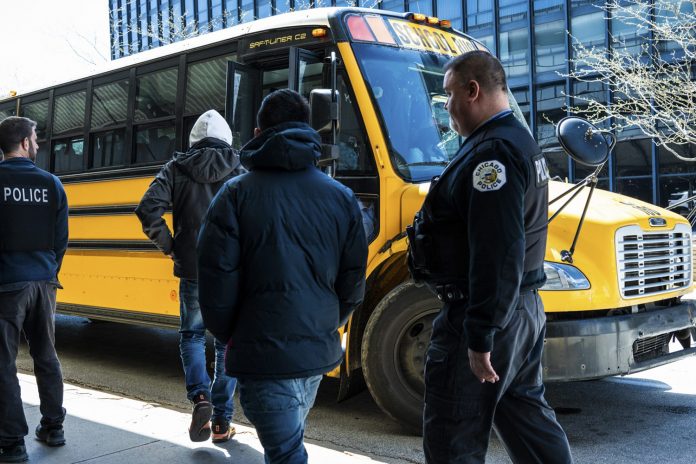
[324, 111]
[324, 119]
[584, 142]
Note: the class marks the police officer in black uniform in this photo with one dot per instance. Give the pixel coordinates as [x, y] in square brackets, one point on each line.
[33, 240]
[479, 243]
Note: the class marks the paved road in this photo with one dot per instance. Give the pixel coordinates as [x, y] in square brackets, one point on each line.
[645, 418]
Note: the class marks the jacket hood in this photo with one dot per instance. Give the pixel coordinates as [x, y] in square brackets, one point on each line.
[209, 161]
[291, 146]
[210, 124]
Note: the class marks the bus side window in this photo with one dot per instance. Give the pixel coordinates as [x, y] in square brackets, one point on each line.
[354, 157]
[38, 111]
[108, 118]
[68, 125]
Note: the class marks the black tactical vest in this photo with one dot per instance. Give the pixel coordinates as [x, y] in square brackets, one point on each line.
[438, 249]
[27, 211]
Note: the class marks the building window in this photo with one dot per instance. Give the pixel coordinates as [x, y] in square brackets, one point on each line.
[283, 6]
[190, 18]
[633, 169]
[231, 12]
[168, 35]
[154, 25]
[203, 17]
[479, 22]
[421, 6]
[452, 11]
[550, 110]
[584, 93]
[677, 179]
[522, 98]
[393, 5]
[247, 7]
[588, 29]
[514, 54]
[264, 8]
[627, 37]
[216, 16]
[550, 38]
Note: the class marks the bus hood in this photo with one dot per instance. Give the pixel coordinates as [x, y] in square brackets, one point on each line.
[606, 208]
[610, 219]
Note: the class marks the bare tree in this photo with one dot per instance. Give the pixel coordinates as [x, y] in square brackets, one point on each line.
[651, 79]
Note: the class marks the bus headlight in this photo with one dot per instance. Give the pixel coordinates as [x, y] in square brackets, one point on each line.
[564, 277]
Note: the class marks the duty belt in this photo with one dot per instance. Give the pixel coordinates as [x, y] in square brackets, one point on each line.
[450, 293]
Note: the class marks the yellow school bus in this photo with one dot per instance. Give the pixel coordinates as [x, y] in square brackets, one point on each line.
[612, 311]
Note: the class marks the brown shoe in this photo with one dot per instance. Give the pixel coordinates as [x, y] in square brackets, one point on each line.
[200, 419]
[222, 431]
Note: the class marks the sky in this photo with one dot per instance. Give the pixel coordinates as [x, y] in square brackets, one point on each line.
[49, 41]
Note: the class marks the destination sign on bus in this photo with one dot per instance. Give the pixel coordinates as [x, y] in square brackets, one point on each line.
[416, 36]
[275, 40]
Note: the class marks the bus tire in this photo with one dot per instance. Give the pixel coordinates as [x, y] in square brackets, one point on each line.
[393, 352]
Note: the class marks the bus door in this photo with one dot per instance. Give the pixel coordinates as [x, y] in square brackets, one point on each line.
[248, 83]
[242, 101]
[304, 70]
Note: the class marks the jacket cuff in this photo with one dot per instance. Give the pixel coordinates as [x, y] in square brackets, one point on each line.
[480, 341]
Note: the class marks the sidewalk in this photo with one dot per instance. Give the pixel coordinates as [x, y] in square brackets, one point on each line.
[104, 428]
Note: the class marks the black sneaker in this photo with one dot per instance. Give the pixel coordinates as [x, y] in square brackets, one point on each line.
[52, 436]
[222, 430]
[13, 453]
[200, 418]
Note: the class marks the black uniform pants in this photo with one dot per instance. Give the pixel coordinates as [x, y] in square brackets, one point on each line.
[460, 410]
[29, 307]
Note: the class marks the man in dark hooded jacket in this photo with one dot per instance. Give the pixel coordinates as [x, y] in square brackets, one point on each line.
[187, 184]
[281, 259]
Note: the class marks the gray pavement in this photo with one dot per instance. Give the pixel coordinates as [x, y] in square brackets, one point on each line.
[109, 429]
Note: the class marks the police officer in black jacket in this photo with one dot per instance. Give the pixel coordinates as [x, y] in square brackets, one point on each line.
[33, 240]
[479, 243]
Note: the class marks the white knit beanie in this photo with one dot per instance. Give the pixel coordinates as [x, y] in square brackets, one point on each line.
[210, 124]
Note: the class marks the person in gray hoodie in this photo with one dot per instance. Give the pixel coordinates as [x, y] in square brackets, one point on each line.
[187, 185]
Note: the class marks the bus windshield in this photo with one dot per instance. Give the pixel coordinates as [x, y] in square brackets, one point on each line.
[407, 88]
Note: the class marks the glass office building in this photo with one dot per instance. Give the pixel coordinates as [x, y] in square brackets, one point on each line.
[529, 37]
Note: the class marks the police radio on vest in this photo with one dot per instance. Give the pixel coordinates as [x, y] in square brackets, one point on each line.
[25, 195]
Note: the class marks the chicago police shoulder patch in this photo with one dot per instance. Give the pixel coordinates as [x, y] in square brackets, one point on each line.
[489, 176]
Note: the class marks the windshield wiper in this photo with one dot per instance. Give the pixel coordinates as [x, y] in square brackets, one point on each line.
[429, 163]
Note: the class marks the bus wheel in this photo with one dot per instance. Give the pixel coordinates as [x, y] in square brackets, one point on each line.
[393, 352]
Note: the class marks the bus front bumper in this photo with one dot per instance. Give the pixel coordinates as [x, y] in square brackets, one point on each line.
[616, 345]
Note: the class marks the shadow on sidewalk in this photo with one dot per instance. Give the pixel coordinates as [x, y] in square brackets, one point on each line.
[106, 429]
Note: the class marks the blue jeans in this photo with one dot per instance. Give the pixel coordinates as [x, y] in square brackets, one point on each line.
[192, 347]
[278, 409]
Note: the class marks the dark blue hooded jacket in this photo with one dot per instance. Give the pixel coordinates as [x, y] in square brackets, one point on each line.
[281, 260]
[39, 265]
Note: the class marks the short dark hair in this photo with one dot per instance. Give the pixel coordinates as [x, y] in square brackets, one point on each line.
[481, 67]
[13, 130]
[281, 106]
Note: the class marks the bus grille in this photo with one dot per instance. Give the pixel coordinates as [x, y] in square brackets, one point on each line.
[651, 347]
[651, 263]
